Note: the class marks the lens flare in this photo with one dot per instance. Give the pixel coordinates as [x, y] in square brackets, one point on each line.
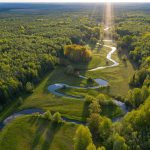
[108, 19]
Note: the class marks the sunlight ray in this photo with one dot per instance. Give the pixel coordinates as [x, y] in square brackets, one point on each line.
[108, 19]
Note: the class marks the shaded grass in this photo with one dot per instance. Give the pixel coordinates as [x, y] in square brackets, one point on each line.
[11, 107]
[111, 111]
[27, 133]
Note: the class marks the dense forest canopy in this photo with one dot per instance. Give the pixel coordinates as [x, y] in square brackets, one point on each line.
[30, 45]
[133, 36]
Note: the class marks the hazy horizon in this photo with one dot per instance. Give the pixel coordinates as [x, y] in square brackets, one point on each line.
[74, 1]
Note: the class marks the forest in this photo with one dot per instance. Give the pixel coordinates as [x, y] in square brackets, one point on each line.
[30, 47]
[57, 74]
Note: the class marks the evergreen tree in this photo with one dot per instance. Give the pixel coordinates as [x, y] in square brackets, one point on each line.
[29, 87]
[57, 118]
[82, 138]
[91, 146]
[94, 107]
[119, 143]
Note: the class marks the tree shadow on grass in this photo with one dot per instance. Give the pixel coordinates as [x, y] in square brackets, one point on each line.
[42, 126]
[59, 76]
[46, 129]
[49, 135]
[125, 53]
[85, 112]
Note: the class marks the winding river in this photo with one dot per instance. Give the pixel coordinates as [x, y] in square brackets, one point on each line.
[55, 87]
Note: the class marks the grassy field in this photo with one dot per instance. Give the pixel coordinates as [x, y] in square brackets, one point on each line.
[118, 77]
[41, 98]
[35, 134]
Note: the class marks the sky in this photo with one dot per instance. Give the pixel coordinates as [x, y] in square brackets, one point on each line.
[82, 1]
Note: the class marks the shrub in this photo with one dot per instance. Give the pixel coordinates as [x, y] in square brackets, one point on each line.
[93, 124]
[82, 138]
[90, 80]
[47, 115]
[101, 148]
[101, 98]
[119, 143]
[94, 107]
[29, 87]
[91, 146]
[57, 118]
[37, 114]
[89, 99]
[124, 57]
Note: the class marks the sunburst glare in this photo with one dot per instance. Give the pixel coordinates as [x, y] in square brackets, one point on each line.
[108, 19]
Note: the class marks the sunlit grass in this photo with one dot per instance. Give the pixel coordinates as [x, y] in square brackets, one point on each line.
[26, 133]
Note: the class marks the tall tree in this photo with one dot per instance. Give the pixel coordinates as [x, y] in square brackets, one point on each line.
[119, 143]
[82, 138]
[91, 146]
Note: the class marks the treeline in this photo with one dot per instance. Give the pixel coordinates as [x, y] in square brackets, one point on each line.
[135, 127]
[133, 35]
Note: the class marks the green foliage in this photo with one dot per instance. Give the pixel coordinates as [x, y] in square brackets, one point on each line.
[93, 40]
[139, 77]
[101, 148]
[119, 143]
[104, 101]
[141, 50]
[137, 96]
[101, 98]
[93, 123]
[94, 107]
[91, 146]
[91, 34]
[82, 138]
[47, 115]
[135, 127]
[29, 87]
[124, 57]
[90, 80]
[57, 118]
[30, 46]
[89, 99]
[105, 129]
